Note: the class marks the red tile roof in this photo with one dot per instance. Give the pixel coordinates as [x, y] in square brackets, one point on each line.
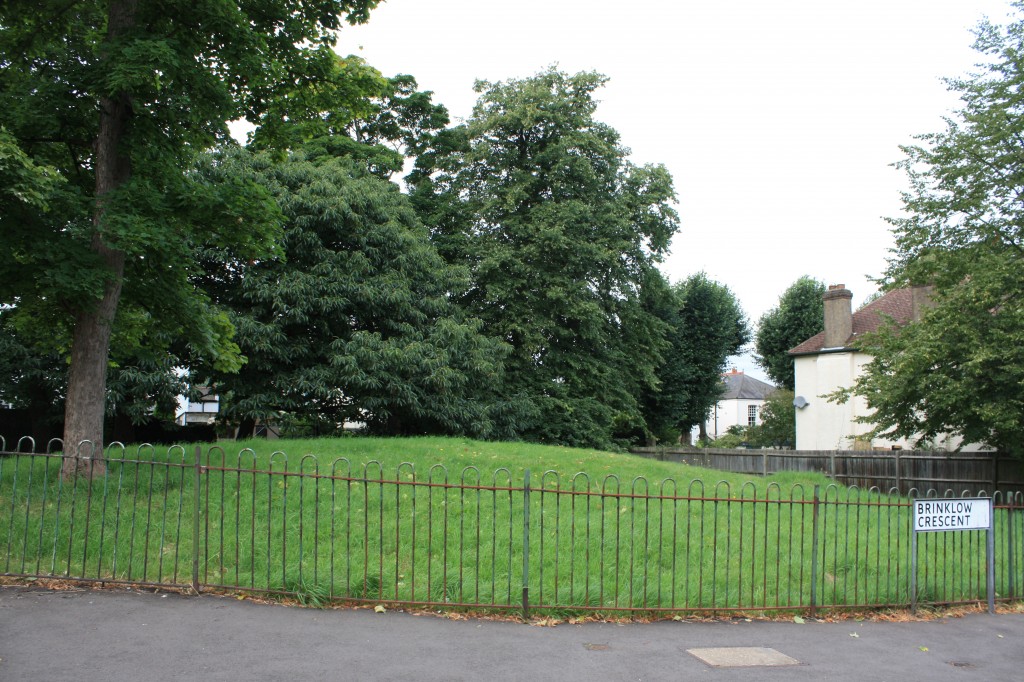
[896, 305]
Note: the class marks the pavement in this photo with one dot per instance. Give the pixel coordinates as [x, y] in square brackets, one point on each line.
[122, 634]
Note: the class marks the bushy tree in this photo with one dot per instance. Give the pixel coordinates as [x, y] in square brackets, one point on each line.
[106, 105]
[960, 370]
[799, 315]
[778, 421]
[143, 383]
[558, 231]
[706, 327]
[353, 321]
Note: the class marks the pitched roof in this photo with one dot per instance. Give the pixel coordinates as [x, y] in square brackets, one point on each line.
[896, 305]
[738, 386]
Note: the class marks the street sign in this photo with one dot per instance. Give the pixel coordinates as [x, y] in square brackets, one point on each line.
[945, 514]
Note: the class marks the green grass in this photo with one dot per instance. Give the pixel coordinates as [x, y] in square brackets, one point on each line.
[440, 520]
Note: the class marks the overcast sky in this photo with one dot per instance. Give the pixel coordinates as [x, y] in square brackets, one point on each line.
[779, 120]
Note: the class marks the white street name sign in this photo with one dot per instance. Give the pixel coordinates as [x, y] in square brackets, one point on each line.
[972, 513]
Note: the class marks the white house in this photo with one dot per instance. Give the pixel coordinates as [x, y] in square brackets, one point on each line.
[201, 411]
[830, 361]
[740, 404]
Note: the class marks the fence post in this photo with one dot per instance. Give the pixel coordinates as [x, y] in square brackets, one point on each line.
[764, 463]
[995, 473]
[1011, 578]
[898, 488]
[990, 556]
[526, 544]
[814, 551]
[195, 521]
[913, 563]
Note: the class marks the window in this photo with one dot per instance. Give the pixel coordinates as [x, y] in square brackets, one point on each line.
[751, 415]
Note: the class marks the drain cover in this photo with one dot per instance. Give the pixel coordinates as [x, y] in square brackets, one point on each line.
[742, 656]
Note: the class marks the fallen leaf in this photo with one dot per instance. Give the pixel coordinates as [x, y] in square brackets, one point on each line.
[680, 618]
[798, 620]
[854, 634]
[240, 597]
[379, 609]
[923, 648]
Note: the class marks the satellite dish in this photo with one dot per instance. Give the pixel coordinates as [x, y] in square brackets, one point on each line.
[800, 402]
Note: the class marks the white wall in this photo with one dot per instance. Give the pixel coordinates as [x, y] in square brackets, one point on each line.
[187, 407]
[729, 413]
[824, 425]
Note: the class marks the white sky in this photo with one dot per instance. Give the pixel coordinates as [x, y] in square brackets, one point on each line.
[779, 120]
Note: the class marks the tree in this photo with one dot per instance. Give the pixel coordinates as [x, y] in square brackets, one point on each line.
[799, 315]
[353, 321]
[706, 327]
[142, 386]
[558, 231]
[778, 421]
[114, 99]
[960, 370]
[29, 381]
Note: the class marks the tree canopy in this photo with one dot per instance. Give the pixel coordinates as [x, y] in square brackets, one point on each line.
[799, 315]
[558, 231]
[106, 106]
[353, 322]
[706, 326]
[960, 370]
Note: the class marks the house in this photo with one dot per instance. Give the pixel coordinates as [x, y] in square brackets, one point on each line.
[830, 361]
[740, 404]
[201, 411]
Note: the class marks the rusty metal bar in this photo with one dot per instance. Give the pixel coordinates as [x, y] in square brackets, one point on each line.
[814, 552]
[526, 544]
[196, 482]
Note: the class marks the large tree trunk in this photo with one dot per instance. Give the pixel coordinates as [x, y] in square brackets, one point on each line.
[90, 342]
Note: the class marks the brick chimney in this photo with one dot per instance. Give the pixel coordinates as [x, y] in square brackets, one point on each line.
[838, 315]
[921, 298]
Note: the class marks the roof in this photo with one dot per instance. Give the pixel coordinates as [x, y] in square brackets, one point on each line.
[738, 386]
[896, 305]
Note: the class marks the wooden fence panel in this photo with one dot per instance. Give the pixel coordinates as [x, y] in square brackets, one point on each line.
[968, 473]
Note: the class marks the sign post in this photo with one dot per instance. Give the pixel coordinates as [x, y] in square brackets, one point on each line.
[943, 515]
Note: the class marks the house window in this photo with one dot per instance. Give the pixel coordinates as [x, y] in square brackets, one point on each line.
[751, 415]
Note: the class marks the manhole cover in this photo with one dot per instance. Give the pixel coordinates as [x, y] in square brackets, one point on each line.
[596, 647]
[742, 656]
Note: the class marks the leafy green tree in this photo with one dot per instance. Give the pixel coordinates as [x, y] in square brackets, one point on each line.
[141, 387]
[706, 327]
[106, 105]
[778, 421]
[353, 322]
[960, 370]
[558, 231]
[799, 315]
[354, 111]
[29, 381]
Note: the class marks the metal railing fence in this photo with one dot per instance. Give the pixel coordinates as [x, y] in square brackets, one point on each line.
[323, 531]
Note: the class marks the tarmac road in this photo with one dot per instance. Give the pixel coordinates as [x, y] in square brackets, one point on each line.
[114, 635]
